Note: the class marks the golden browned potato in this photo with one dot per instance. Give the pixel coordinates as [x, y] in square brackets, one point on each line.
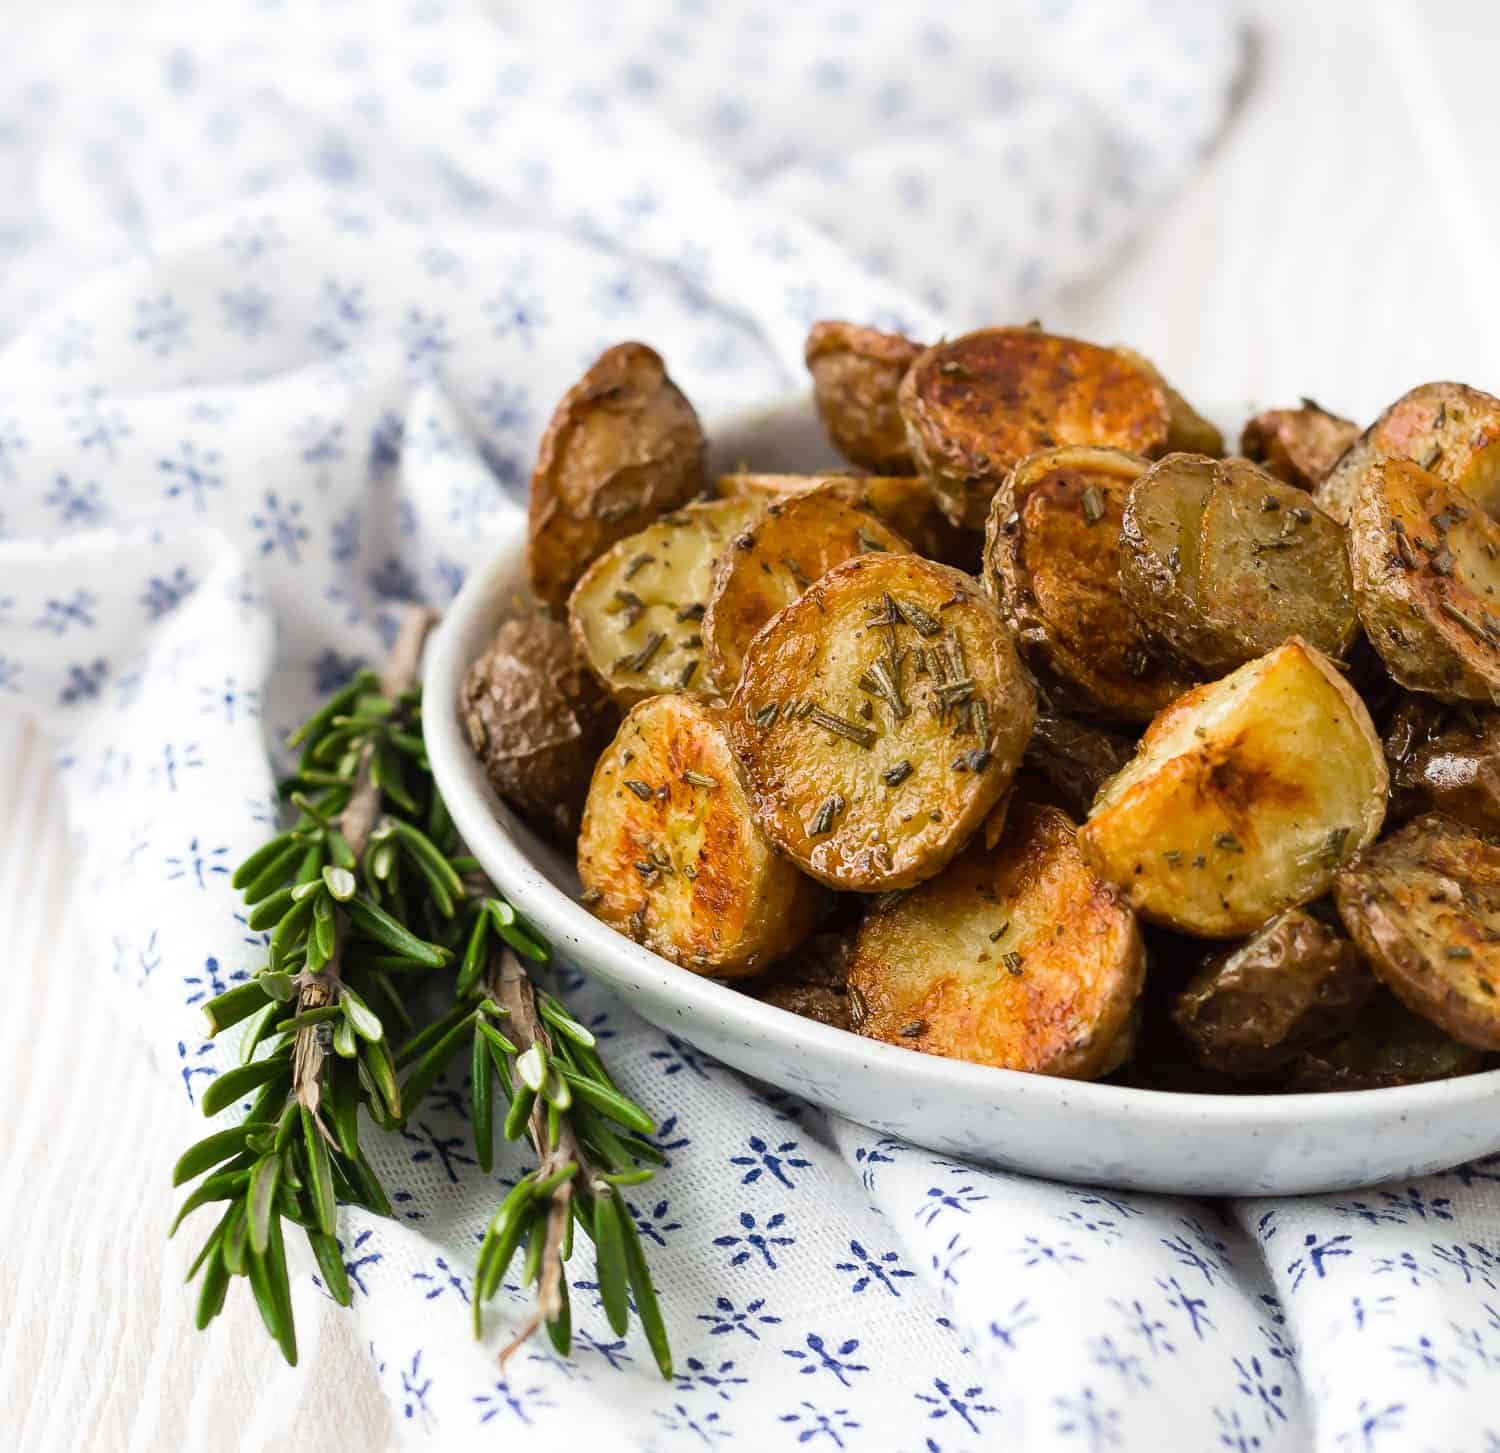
[879, 718]
[1250, 1009]
[537, 720]
[778, 556]
[1053, 555]
[1187, 429]
[1426, 566]
[1220, 563]
[856, 372]
[976, 406]
[1244, 797]
[1448, 428]
[670, 854]
[623, 447]
[1298, 445]
[1018, 957]
[1424, 908]
[1445, 759]
[637, 614]
[1067, 761]
[1387, 1045]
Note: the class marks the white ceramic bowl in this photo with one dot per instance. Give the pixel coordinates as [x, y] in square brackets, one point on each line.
[1141, 1139]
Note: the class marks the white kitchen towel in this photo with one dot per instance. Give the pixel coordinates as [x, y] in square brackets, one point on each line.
[289, 291]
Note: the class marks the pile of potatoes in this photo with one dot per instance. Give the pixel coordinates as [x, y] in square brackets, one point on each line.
[1047, 736]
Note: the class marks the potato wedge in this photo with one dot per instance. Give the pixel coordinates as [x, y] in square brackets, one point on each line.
[1447, 760]
[537, 719]
[1386, 1046]
[903, 501]
[1018, 957]
[1053, 554]
[1426, 569]
[670, 855]
[1448, 428]
[1424, 908]
[976, 406]
[1187, 429]
[856, 372]
[1300, 445]
[1220, 563]
[778, 556]
[637, 613]
[879, 718]
[622, 447]
[1244, 797]
[1250, 1009]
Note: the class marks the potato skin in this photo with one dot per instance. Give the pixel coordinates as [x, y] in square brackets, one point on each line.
[1243, 798]
[1424, 908]
[1299, 446]
[887, 798]
[1052, 548]
[775, 558]
[1427, 581]
[856, 372]
[537, 720]
[1448, 428]
[636, 615]
[678, 865]
[1250, 1009]
[1445, 761]
[622, 447]
[1068, 761]
[1018, 957]
[977, 405]
[1387, 1045]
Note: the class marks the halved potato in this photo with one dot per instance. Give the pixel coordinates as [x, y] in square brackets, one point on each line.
[976, 406]
[1386, 1045]
[1426, 566]
[779, 555]
[622, 447]
[1445, 760]
[1448, 428]
[1250, 1009]
[879, 718]
[856, 372]
[1053, 555]
[1244, 797]
[670, 855]
[903, 501]
[637, 614]
[1424, 908]
[1017, 957]
[1187, 429]
[1300, 445]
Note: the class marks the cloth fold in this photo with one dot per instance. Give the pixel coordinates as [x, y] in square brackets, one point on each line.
[289, 292]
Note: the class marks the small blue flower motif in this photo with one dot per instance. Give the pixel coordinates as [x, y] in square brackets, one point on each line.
[161, 327]
[1316, 1254]
[341, 315]
[1141, 1324]
[253, 239]
[174, 759]
[668, 1137]
[247, 311]
[1106, 1354]
[1371, 1215]
[868, 1157]
[356, 1258]
[59, 615]
[758, 1239]
[229, 700]
[613, 1353]
[520, 1403]
[818, 1357]
[425, 338]
[1033, 1251]
[812, 1422]
[441, 1280]
[1362, 1313]
[706, 1426]
[164, 593]
[964, 1405]
[331, 671]
[1005, 1330]
[1233, 1434]
[392, 580]
[76, 504]
[211, 982]
[191, 1067]
[198, 863]
[679, 1056]
[191, 474]
[939, 1202]
[719, 1379]
[1260, 1388]
[764, 1159]
[1422, 1355]
[505, 407]
[882, 1269]
[1360, 1437]
[945, 1261]
[446, 1150]
[99, 426]
[85, 678]
[726, 1318]
[280, 526]
[414, 1390]
[1204, 1252]
[1487, 1168]
[1086, 1419]
[517, 315]
[654, 1223]
[320, 441]
[1191, 1307]
[386, 441]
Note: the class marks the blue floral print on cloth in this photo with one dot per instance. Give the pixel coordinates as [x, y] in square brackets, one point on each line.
[288, 292]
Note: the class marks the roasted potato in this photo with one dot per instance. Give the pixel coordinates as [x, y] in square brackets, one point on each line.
[976, 406]
[1220, 563]
[1244, 797]
[670, 855]
[813, 981]
[1386, 1045]
[1424, 908]
[1250, 1009]
[1298, 445]
[537, 720]
[878, 719]
[792, 544]
[1187, 430]
[856, 372]
[903, 501]
[1447, 428]
[1445, 759]
[1018, 957]
[623, 447]
[1052, 550]
[1067, 762]
[1426, 568]
[637, 614]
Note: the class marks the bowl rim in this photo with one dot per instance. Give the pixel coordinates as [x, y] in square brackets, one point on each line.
[486, 826]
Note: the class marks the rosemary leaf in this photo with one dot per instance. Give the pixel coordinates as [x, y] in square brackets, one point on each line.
[209, 1152]
[331, 1263]
[609, 1250]
[482, 1098]
[230, 1085]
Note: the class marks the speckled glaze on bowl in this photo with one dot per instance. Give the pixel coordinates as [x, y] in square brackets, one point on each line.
[1101, 1134]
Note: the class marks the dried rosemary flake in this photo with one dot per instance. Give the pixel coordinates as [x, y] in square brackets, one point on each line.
[1431, 457]
[917, 618]
[642, 658]
[1093, 504]
[693, 612]
[895, 776]
[1458, 951]
[1405, 551]
[1000, 932]
[699, 779]
[912, 1030]
[868, 543]
[797, 573]
[1137, 662]
[1173, 857]
[616, 510]
[628, 604]
[1269, 505]
[879, 680]
[1441, 417]
[858, 1008]
[1013, 962]
[1472, 626]
[1302, 515]
[822, 824]
[860, 735]
[957, 598]
[641, 789]
[639, 562]
[766, 716]
[1228, 842]
[590, 897]
[686, 674]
